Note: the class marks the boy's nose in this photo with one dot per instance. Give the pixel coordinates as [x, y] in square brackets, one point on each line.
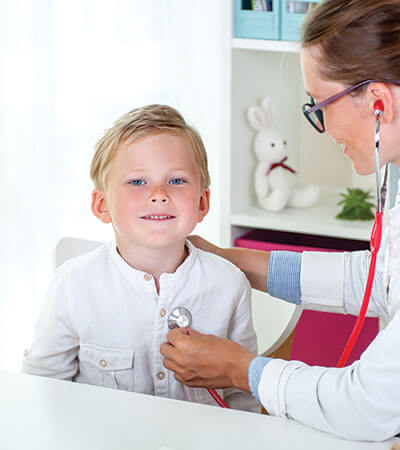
[159, 196]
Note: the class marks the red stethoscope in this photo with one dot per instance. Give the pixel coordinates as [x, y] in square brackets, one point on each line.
[181, 317]
[376, 238]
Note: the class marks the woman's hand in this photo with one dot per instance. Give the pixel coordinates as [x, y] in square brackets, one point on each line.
[254, 263]
[202, 244]
[206, 361]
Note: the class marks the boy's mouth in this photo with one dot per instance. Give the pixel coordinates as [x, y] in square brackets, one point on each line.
[157, 217]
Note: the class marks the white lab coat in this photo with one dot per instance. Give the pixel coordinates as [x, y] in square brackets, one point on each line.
[361, 401]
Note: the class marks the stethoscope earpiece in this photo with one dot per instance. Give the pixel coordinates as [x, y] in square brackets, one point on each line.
[379, 107]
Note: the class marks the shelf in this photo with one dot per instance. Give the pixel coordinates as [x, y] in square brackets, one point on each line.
[317, 220]
[264, 45]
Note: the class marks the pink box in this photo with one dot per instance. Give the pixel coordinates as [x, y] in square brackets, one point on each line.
[319, 337]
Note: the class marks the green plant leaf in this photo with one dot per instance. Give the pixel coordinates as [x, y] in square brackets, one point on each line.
[355, 205]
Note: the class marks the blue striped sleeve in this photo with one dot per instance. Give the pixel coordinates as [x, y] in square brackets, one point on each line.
[256, 367]
[284, 276]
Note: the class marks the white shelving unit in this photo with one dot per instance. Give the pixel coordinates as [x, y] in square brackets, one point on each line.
[269, 46]
[317, 220]
[259, 68]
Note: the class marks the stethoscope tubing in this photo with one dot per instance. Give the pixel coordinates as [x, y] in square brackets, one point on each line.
[179, 317]
[214, 394]
[377, 165]
[376, 238]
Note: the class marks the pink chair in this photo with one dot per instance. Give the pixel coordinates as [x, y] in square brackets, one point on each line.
[319, 337]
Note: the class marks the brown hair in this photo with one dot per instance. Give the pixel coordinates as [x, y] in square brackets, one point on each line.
[137, 124]
[358, 39]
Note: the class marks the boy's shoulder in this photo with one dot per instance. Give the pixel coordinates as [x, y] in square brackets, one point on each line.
[222, 268]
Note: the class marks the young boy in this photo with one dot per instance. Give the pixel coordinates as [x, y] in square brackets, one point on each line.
[105, 315]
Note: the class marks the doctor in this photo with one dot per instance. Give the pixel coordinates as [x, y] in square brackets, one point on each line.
[344, 43]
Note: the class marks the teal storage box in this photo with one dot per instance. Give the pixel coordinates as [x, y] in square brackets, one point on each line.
[292, 15]
[257, 24]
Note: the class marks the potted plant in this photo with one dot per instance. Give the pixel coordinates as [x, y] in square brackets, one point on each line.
[356, 205]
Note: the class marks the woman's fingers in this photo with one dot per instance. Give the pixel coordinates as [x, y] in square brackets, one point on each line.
[197, 241]
[196, 359]
[195, 382]
[179, 347]
[175, 360]
[206, 360]
[201, 243]
[182, 374]
[177, 336]
[174, 367]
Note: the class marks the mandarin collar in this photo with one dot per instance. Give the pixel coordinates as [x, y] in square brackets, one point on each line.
[139, 276]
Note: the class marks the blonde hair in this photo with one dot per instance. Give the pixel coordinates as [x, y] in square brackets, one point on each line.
[137, 124]
[359, 39]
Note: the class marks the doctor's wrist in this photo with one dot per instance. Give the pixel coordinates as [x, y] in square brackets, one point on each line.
[238, 363]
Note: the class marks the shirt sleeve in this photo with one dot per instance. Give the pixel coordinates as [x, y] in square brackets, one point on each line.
[344, 272]
[284, 276]
[54, 349]
[283, 282]
[361, 401]
[335, 282]
[355, 278]
[256, 368]
[241, 330]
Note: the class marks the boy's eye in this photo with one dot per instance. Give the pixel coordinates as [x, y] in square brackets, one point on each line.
[176, 181]
[137, 182]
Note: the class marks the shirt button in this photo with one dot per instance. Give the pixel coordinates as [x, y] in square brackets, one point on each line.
[148, 276]
[103, 363]
[163, 312]
[161, 375]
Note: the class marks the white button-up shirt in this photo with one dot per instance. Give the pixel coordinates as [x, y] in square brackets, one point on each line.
[103, 322]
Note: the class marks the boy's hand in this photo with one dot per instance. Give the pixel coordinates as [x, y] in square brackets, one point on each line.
[205, 360]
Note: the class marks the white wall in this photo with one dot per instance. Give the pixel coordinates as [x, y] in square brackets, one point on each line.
[67, 71]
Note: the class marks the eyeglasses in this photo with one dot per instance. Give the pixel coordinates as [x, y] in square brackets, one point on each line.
[313, 111]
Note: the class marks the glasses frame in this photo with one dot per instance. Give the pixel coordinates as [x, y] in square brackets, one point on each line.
[309, 108]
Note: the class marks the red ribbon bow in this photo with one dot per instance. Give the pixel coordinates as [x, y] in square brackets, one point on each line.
[280, 164]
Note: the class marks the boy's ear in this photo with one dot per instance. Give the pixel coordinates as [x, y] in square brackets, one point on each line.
[204, 204]
[99, 206]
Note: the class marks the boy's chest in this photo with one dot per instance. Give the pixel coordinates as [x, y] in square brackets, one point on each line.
[130, 317]
[120, 336]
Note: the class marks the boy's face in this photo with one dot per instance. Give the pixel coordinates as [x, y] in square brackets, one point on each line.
[153, 196]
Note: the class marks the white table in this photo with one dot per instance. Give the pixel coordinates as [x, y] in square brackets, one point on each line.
[46, 414]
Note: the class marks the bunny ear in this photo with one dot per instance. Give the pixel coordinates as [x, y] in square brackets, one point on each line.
[269, 110]
[257, 118]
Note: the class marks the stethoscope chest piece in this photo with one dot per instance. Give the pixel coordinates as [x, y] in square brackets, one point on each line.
[179, 317]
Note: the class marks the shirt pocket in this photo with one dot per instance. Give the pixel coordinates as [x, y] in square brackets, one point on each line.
[106, 366]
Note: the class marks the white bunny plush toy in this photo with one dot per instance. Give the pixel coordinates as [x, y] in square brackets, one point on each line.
[273, 187]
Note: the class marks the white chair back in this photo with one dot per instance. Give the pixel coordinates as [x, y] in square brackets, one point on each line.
[69, 247]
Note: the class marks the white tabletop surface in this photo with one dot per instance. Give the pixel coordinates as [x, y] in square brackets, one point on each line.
[47, 414]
